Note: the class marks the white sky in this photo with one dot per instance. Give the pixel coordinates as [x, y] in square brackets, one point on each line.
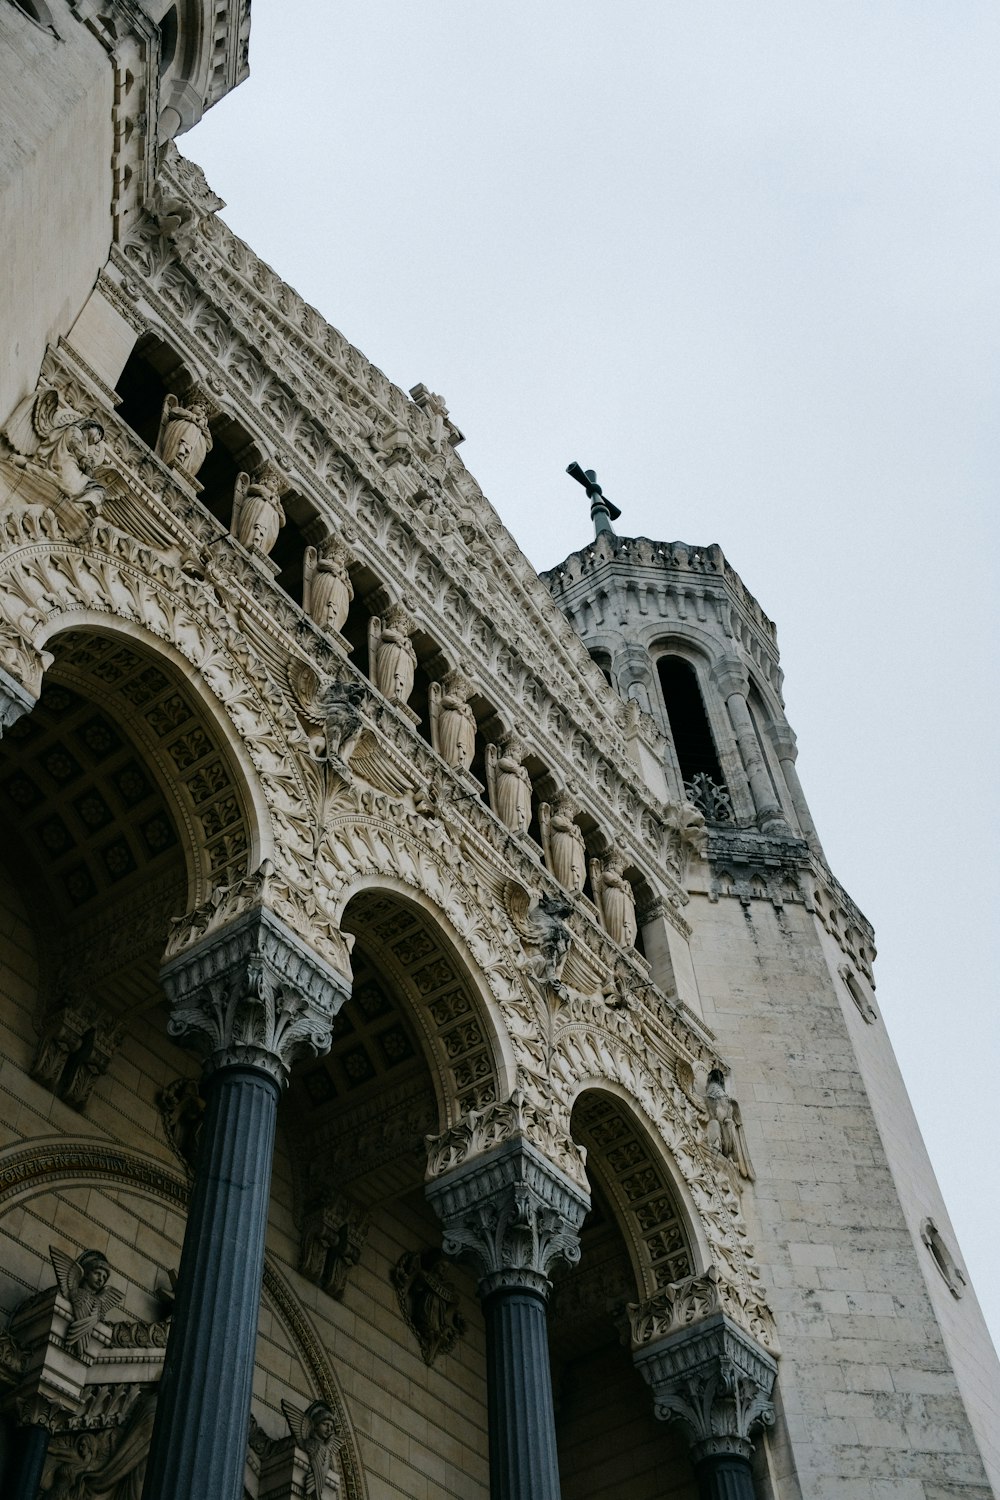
[742, 260]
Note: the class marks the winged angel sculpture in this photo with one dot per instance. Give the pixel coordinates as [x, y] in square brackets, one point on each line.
[541, 925]
[46, 433]
[84, 1284]
[720, 1114]
[315, 1432]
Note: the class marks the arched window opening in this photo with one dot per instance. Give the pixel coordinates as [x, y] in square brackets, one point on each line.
[151, 372]
[168, 39]
[602, 660]
[694, 746]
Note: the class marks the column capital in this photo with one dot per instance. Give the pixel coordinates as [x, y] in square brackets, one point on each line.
[252, 994]
[730, 676]
[782, 737]
[513, 1215]
[716, 1381]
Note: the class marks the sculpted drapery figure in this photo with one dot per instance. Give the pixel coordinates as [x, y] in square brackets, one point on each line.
[328, 590]
[184, 440]
[562, 839]
[258, 514]
[615, 898]
[453, 724]
[509, 783]
[46, 433]
[394, 660]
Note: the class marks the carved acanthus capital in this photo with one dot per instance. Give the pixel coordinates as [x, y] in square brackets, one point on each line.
[519, 1118]
[513, 1215]
[684, 1303]
[715, 1381]
[252, 994]
[334, 1230]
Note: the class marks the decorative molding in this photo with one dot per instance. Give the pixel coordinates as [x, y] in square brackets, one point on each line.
[683, 1303]
[482, 1131]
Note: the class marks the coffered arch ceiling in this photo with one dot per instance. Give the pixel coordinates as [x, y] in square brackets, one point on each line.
[121, 809]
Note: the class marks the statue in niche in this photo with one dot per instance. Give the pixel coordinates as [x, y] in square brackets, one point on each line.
[327, 590]
[428, 1301]
[725, 1124]
[562, 842]
[182, 1110]
[258, 514]
[48, 435]
[453, 724]
[333, 1237]
[184, 439]
[509, 783]
[84, 1283]
[614, 898]
[393, 659]
[315, 1430]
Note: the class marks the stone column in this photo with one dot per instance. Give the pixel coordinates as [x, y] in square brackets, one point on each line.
[716, 1381]
[36, 1420]
[782, 737]
[252, 997]
[514, 1215]
[731, 680]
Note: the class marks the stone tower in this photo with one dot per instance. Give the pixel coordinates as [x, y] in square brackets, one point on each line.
[852, 1229]
[435, 1057]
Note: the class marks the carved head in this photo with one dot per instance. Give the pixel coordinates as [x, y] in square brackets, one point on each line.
[96, 1270]
[556, 906]
[513, 747]
[397, 618]
[614, 860]
[456, 685]
[320, 1421]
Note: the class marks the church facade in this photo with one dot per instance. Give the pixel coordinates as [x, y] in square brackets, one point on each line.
[437, 1058]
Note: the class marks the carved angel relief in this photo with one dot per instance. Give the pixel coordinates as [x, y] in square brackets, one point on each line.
[720, 1115]
[258, 514]
[392, 658]
[541, 926]
[562, 842]
[184, 439]
[508, 783]
[316, 1432]
[58, 445]
[326, 585]
[84, 1283]
[614, 897]
[332, 711]
[453, 723]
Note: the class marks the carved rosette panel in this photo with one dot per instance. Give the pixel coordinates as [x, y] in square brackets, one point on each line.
[513, 1215]
[253, 995]
[715, 1381]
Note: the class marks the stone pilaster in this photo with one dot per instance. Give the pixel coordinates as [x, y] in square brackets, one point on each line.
[513, 1215]
[251, 998]
[716, 1382]
[786, 748]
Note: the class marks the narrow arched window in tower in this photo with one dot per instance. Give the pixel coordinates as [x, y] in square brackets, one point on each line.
[692, 736]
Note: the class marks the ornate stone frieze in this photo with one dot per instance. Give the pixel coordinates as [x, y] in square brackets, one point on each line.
[75, 1045]
[519, 1118]
[512, 1214]
[686, 1302]
[252, 993]
[715, 1381]
[428, 1301]
[334, 1230]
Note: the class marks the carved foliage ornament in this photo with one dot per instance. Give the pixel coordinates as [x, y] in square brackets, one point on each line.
[512, 1215]
[254, 995]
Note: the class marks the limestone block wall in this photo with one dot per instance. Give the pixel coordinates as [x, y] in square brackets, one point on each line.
[871, 1407]
[55, 184]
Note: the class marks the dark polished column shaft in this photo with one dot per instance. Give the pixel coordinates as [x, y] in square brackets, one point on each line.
[522, 1424]
[199, 1442]
[725, 1476]
[33, 1445]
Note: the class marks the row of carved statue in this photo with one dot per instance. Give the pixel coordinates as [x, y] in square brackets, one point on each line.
[51, 438]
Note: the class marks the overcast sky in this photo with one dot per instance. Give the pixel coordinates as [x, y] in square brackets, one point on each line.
[743, 260]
